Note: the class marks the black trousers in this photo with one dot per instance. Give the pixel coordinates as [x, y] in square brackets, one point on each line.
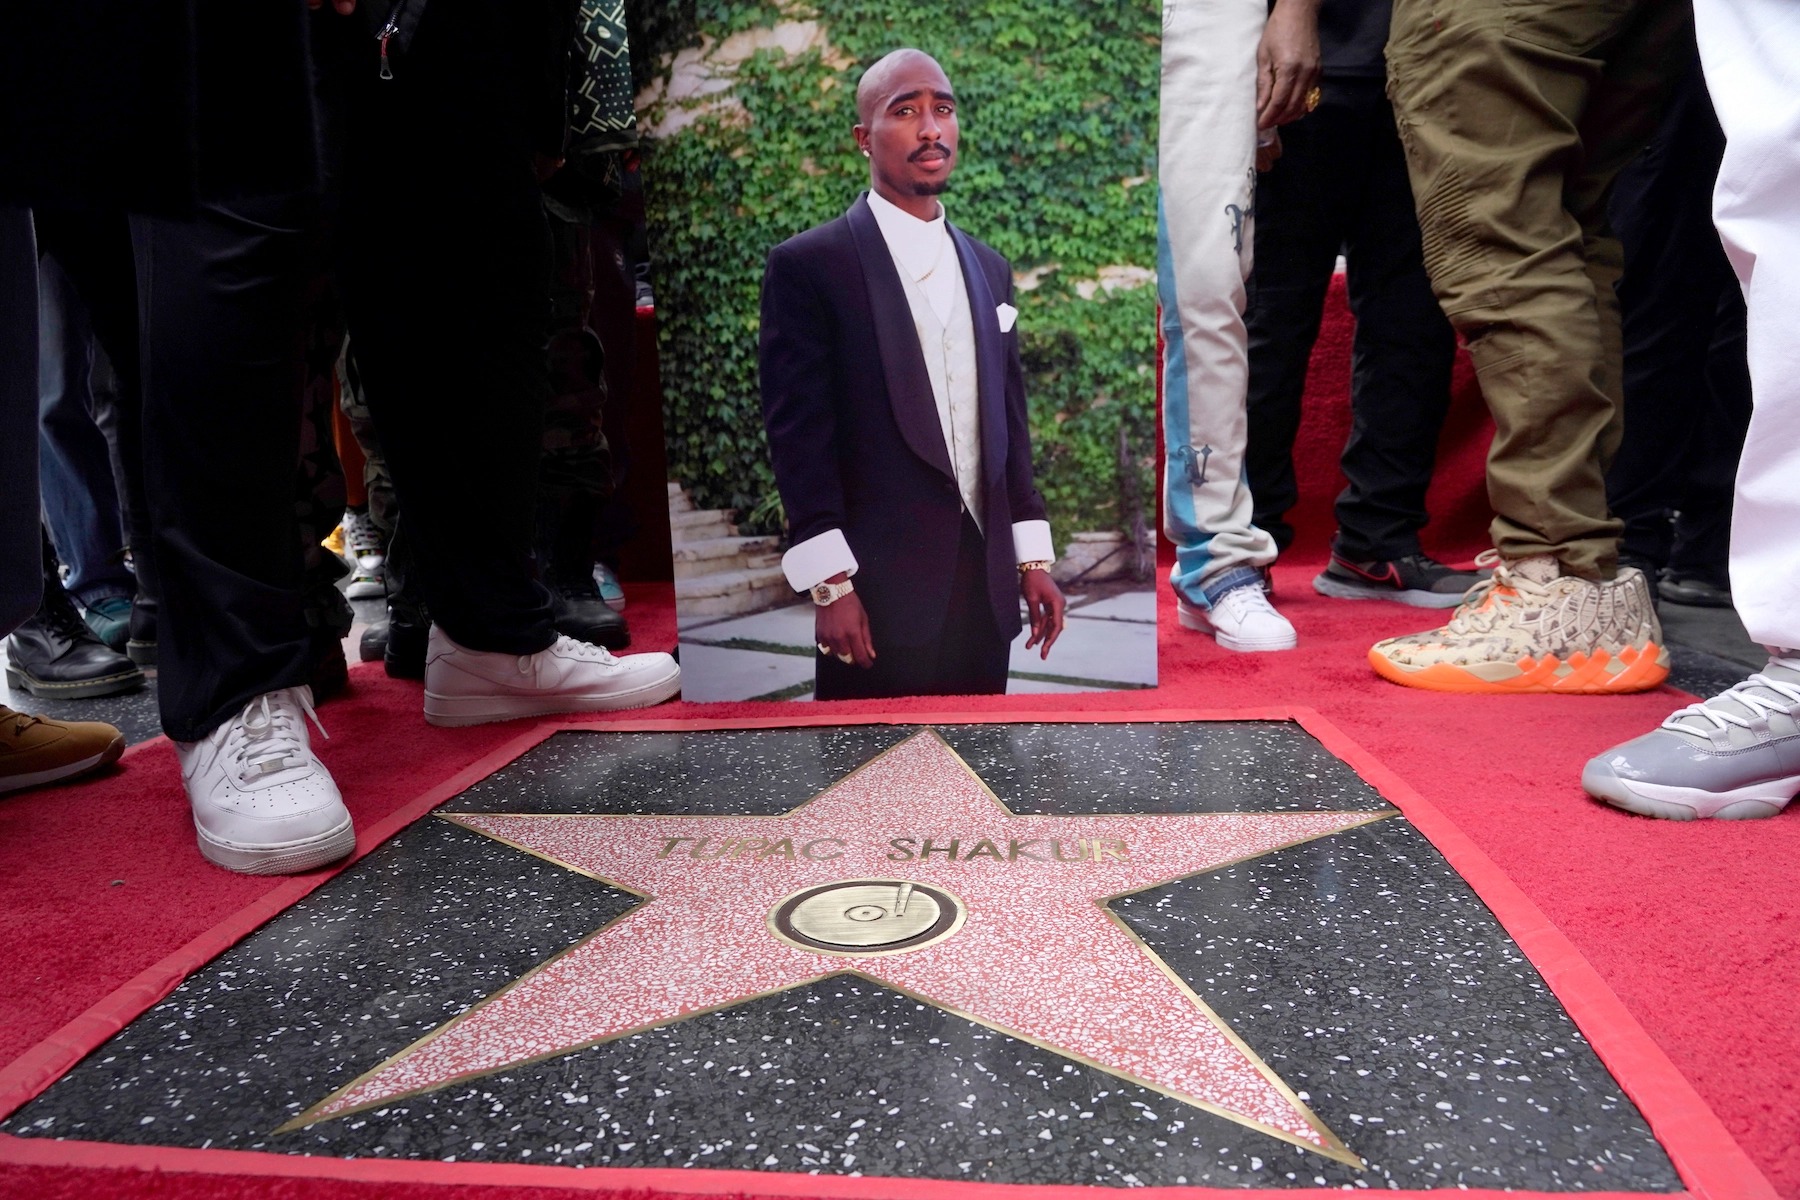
[444, 267]
[1341, 186]
[1687, 380]
[968, 660]
[221, 299]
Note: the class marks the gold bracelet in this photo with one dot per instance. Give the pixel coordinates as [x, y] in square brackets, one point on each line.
[1036, 564]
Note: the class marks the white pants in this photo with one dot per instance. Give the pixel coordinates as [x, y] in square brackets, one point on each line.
[1751, 52]
[1207, 176]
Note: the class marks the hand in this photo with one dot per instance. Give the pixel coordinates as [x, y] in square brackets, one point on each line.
[1287, 62]
[843, 628]
[343, 8]
[1267, 152]
[1045, 604]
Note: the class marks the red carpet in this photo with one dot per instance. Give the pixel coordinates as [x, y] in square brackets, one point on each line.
[1695, 927]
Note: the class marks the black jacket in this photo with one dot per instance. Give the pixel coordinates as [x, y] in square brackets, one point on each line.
[853, 426]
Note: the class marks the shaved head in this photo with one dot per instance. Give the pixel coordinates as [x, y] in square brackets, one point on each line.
[878, 80]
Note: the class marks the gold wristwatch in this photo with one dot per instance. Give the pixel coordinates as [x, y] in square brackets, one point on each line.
[1036, 564]
[831, 593]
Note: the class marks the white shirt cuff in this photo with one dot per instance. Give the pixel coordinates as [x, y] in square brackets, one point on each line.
[1031, 542]
[819, 558]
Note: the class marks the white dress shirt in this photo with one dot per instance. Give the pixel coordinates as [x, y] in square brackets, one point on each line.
[930, 270]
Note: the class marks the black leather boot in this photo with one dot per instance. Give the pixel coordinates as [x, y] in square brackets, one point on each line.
[57, 656]
[140, 638]
[580, 613]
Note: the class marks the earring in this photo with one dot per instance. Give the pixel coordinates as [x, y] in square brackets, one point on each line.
[865, 154]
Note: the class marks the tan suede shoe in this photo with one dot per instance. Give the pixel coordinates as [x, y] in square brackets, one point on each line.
[36, 750]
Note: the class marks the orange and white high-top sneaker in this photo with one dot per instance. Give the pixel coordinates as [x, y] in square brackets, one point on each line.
[1533, 629]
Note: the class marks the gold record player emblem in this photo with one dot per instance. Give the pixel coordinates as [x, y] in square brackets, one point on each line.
[862, 917]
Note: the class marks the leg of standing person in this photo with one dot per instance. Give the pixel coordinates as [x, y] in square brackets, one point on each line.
[20, 549]
[1299, 230]
[1205, 241]
[33, 751]
[452, 347]
[94, 250]
[1737, 755]
[222, 297]
[1675, 273]
[75, 462]
[1516, 117]
[1399, 386]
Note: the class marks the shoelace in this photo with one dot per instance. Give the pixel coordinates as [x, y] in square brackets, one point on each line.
[1762, 706]
[1239, 599]
[577, 649]
[268, 737]
[1475, 614]
[361, 537]
[22, 721]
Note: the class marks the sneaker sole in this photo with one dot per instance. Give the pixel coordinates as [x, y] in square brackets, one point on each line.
[1197, 622]
[93, 762]
[1338, 589]
[289, 858]
[1671, 803]
[366, 590]
[81, 689]
[452, 712]
[1636, 671]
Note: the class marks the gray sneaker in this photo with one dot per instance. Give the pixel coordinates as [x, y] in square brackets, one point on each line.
[1733, 757]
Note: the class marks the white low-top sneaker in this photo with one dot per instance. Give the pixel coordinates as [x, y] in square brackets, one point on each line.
[1242, 619]
[263, 802]
[473, 687]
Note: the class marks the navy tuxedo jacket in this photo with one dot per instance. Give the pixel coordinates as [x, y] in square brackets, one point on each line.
[853, 426]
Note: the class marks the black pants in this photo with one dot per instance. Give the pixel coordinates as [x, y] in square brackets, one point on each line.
[1341, 184]
[968, 660]
[1687, 381]
[220, 299]
[444, 270]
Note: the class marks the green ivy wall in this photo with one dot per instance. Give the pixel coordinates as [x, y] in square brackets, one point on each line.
[1058, 110]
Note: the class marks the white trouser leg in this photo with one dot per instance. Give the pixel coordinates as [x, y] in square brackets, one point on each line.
[1751, 52]
[1207, 151]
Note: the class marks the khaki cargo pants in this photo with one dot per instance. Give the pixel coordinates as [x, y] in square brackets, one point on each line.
[1516, 116]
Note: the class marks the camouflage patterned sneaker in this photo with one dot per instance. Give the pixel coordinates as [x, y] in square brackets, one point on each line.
[1530, 629]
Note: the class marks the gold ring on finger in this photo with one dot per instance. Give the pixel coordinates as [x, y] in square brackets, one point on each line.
[1312, 98]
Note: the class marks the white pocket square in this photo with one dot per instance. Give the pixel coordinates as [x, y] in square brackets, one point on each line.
[1007, 314]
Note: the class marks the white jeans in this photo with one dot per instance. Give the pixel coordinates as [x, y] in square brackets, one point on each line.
[1751, 52]
[1207, 176]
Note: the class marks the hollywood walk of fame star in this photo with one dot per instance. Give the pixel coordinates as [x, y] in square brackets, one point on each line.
[1022, 942]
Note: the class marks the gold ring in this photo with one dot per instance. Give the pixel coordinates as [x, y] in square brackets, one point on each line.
[1312, 99]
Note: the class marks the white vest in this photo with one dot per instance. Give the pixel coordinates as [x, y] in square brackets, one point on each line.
[949, 348]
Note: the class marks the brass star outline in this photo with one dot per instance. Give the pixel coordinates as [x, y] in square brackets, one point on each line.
[1329, 1144]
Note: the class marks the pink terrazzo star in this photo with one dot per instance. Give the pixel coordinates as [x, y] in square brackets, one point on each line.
[1039, 955]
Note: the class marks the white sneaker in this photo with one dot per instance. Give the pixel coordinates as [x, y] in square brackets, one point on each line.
[263, 802]
[473, 687]
[365, 550]
[368, 579]
[1243, 620]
